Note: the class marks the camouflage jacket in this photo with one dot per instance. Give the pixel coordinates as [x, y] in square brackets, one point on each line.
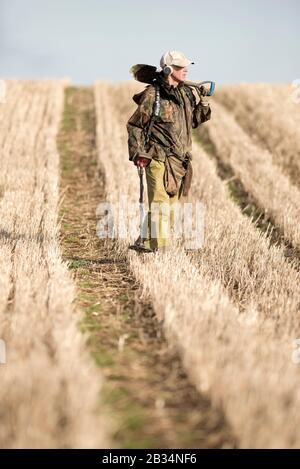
[171, 132]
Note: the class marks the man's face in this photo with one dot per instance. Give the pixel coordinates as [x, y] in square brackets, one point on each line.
[179, 73]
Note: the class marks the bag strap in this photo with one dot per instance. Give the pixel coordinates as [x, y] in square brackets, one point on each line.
[155, 113]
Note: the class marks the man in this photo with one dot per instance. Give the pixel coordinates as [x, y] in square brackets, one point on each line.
[170, 138]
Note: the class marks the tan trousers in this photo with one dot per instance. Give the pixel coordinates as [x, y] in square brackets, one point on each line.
[159, 221]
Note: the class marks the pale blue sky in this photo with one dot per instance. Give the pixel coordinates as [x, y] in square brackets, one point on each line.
[230, 41]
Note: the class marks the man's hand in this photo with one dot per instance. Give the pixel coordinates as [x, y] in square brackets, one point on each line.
[203, 90]
[204, 98]
[203, 102]
[141, 161]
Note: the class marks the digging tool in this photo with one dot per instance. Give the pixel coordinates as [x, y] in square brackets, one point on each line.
[141, 199]
[139, 244]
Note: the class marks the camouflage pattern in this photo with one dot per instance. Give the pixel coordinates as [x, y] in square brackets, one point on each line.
[171, 132]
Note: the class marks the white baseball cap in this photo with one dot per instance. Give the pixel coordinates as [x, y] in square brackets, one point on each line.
[174, 57]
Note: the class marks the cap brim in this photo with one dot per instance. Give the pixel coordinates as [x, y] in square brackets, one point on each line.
[188, 62]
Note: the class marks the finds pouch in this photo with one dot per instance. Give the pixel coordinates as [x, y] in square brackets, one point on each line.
[173, 175]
